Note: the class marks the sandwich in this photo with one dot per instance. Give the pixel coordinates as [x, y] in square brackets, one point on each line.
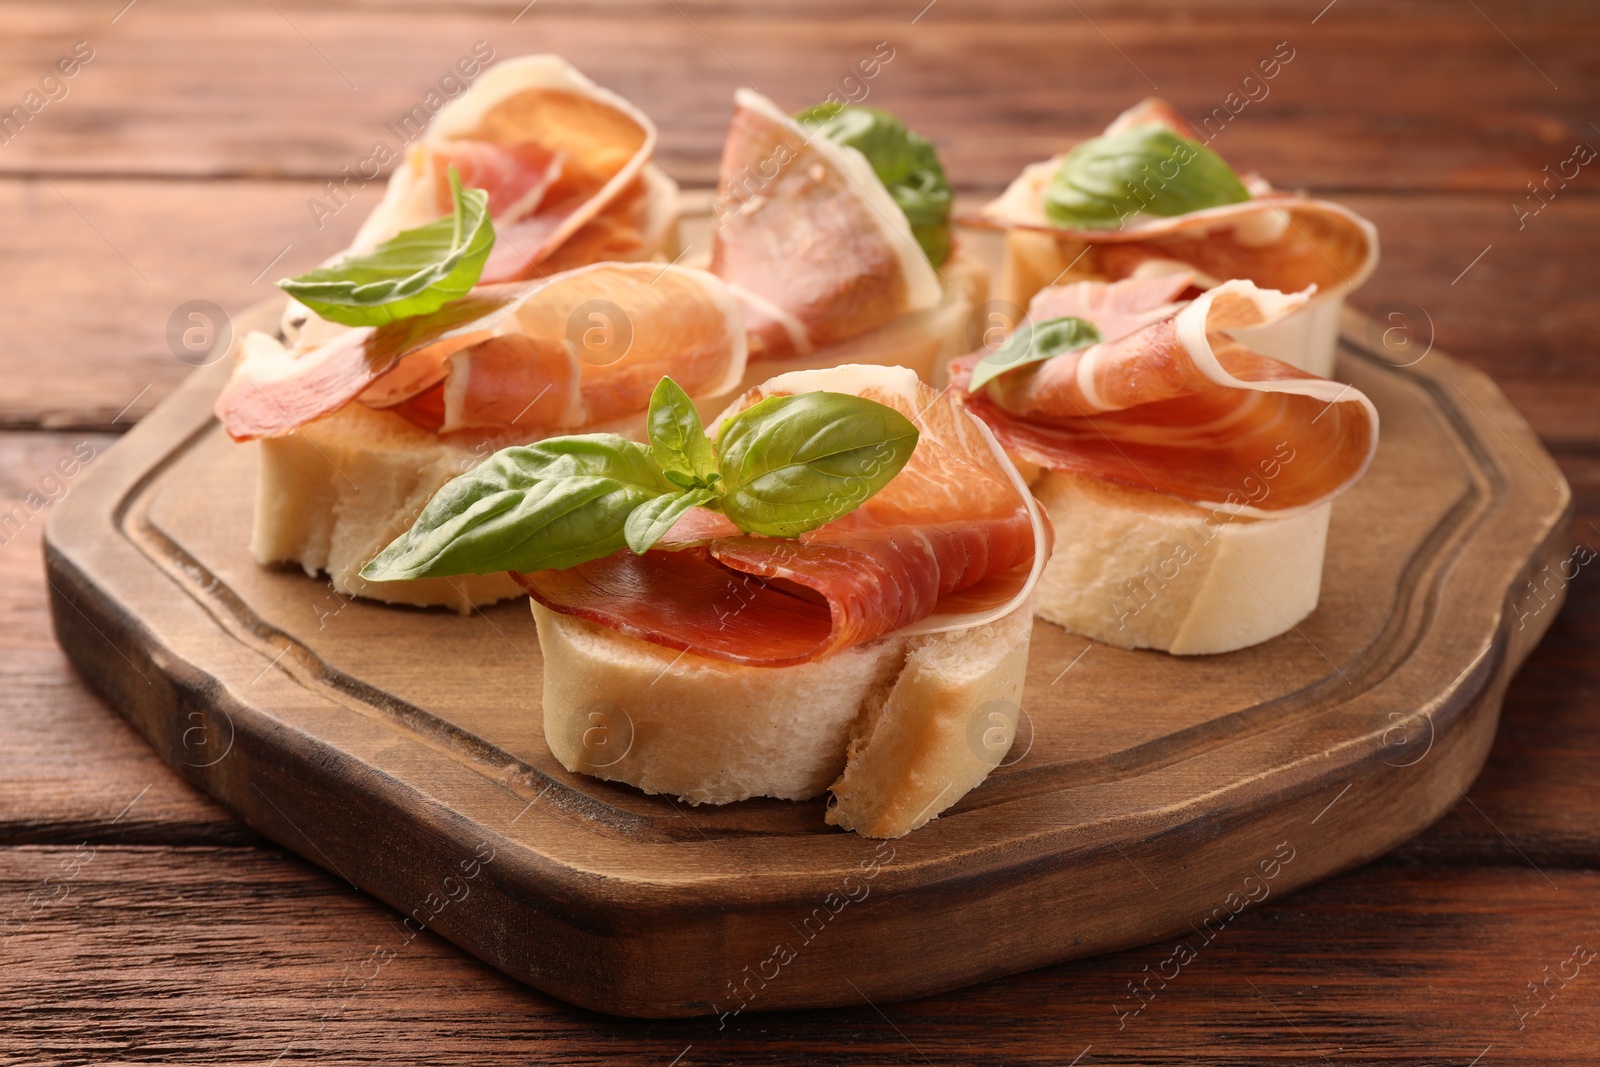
[830, 592]
[1148, 197]
[833, 231]
[358, 431]
[1189, 478]
[499, 293]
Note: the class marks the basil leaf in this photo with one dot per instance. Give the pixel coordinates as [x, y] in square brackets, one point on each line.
[651, 520]
[554, 504]
[1146, 170]
[678, 441]
[1034, 344]
[413, 273]
[792, 463]
[907, 165]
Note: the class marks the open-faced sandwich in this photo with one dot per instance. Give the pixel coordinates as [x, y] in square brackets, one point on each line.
[826, 593]
[833, 231]
[430, 373]
[1189, 478]
[495, 296]
[1147, 197]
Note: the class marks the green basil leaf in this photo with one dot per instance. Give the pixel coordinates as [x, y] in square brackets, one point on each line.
[1034, 344]
[907, 165]
[651, 520]
[413, 273]
[677, 439]
[1146, 170]
[554, 504]
[792, 463]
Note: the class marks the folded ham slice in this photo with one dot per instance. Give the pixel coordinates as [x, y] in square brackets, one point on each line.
[1275, 239]
[808, 237]
[581, 348]
[954, 540]
[1170, 402]
[553, 150]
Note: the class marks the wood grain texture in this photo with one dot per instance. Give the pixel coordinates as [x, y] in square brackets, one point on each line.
[100, 268]
[1535, 802]
[67, 769]
[349, 744]
[250, 956]
[995, 87]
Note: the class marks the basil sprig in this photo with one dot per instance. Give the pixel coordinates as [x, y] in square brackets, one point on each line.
[784, 466]
[1146, 170]
[1034, 344]
[413, 273]
[906, 164]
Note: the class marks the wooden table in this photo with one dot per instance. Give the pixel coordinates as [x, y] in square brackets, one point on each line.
[140, 922]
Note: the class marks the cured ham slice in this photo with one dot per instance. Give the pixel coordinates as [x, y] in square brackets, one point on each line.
[515, 177]
[808, 237]
[1274, 239]
[954, 540]
[274, 390]
[552, 149]
[1176, 405]
[592, 345]
[581, 348]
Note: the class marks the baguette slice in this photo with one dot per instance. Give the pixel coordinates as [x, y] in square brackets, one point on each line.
[1139, 569]
[899, 729]
[332, 494]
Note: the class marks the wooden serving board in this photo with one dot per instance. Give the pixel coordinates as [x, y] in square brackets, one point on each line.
[1145, 796]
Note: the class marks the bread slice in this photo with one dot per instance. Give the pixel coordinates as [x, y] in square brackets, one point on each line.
[899, 729]
[1139, 569]
[922, 340]
[332, 494]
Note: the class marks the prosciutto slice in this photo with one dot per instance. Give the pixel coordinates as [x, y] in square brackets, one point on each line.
[582, 348]
[274, 390]
[553, 150]
[1175, 405]
[953, 541]
[808, 237]
[1275, 239]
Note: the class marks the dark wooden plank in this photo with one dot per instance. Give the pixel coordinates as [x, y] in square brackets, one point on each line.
[1511, 299]
[68, 765]
[251, 956]
[102, 270]
[1376, 97]
[1522, 313]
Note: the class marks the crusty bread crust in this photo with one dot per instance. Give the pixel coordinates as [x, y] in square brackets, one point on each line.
[900, 729]
[1139, 569]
